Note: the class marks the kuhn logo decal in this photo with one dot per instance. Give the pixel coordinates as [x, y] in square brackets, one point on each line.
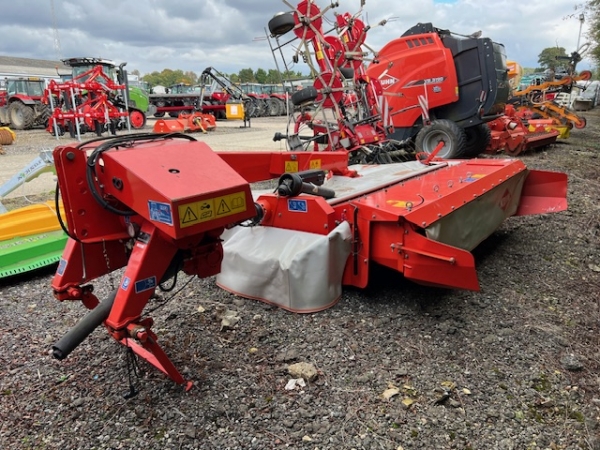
[387, 81]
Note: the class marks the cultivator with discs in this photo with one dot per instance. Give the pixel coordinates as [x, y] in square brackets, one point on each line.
[84, 104]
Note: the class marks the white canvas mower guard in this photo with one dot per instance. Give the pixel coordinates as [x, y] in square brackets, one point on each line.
[303, 272]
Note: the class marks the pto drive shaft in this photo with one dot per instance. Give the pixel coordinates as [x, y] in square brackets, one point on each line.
[84, 328]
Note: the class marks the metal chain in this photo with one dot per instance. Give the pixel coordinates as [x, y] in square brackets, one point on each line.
[107, 260]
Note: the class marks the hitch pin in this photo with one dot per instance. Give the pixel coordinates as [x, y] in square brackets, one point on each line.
[138, 332]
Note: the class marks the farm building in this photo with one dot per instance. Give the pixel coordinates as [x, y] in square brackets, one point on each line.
[11, 66]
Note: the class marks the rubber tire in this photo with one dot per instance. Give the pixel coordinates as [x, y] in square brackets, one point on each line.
[276, 107]
[263, 107]
[250, 107]
[347, 72]
[159, 114]
[281, 24]
[581, 124]
[137, 119]
[478, 138]
[453, 135]
[22, 116]
[305, 96]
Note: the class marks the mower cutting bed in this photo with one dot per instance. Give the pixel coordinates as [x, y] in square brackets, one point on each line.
[419, 220]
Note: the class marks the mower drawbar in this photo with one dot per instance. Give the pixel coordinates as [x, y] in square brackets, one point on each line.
[83, 329]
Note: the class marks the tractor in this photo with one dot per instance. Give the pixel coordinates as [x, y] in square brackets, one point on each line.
[21, 105]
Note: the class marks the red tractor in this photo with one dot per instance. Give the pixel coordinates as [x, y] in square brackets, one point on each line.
[21, 105]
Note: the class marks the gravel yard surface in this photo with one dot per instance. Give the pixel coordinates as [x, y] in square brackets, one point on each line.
[515, 366]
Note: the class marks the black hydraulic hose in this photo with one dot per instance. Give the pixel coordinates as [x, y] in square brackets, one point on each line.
[84, 328]
[292, 184]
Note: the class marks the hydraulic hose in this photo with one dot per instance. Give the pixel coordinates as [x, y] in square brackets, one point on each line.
[293, 184]
[84, 328]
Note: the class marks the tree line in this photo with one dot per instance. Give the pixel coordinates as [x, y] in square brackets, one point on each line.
[169, 77]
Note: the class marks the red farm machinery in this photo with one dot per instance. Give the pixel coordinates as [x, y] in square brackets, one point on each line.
[21, 105]
[155, 205]
[184, 98]
[427, 87]
[96, 98]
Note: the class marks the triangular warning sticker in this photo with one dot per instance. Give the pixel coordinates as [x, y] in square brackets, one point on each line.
[189, 216]
[223, 208]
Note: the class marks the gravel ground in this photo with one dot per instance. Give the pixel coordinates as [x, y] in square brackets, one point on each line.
[396, 366]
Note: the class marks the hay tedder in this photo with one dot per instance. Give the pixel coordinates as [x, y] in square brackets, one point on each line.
[154, 205]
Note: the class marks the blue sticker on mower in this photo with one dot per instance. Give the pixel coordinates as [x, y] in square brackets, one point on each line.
[297, 205]
[62, 266]
[145, 285]
[160, 212]
[125, 283]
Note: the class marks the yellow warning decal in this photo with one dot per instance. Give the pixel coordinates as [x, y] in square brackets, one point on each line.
[315, 164]
[474, 177]
[211, 209]
[291, 166]
[398, 203]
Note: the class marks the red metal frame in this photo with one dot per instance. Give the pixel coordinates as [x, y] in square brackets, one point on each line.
[90, 96]
[332, 52]
[183, 179]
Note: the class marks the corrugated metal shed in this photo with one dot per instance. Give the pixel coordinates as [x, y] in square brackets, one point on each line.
[11, 66]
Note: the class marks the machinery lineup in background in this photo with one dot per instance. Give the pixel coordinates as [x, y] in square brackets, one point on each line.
[379, 170]
[215, 91]
[94, 97]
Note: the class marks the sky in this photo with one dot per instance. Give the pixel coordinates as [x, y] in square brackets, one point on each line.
[229, 35]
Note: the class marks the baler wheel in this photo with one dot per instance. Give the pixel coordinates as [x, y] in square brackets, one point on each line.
[159, 114]
[22, 116]
[478, 138]
[442, 130]
[306, 95]
[281, 23]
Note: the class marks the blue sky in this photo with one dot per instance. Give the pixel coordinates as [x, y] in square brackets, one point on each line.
[230, 34]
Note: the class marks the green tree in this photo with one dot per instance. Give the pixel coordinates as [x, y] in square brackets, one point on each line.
[594, 34]
[273, 77]
[548, 57]
[260, 76]
[169, 77]
[246, 76]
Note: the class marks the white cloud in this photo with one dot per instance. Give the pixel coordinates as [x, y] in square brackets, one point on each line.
[191, 35]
